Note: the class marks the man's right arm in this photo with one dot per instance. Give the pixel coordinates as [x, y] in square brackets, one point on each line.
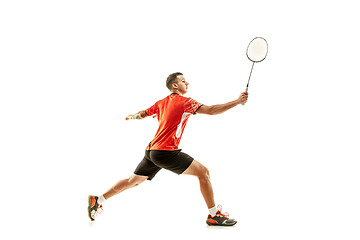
[220, 108]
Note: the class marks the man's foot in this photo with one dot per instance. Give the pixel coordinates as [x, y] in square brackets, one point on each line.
[220, 219]
[94, 207]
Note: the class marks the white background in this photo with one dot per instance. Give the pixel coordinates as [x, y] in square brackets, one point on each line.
[285, 165]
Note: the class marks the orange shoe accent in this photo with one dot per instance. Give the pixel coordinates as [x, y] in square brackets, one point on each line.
[92, 201]
[212, 221]
[219, 212]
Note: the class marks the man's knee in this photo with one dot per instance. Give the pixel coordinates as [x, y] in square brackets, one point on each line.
[198, 170]
[204, 173]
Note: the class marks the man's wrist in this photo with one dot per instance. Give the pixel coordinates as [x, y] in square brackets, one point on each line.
[137, 115]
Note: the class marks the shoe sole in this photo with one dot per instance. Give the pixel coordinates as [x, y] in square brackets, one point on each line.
[221, 225]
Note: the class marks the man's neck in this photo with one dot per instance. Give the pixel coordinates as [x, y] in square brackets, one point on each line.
[176, 92]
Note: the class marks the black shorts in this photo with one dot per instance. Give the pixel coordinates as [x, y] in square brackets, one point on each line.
[154, 160]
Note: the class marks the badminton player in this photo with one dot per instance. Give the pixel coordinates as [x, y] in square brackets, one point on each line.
[162, 152]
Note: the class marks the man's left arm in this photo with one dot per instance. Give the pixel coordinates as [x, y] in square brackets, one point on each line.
[139, 115]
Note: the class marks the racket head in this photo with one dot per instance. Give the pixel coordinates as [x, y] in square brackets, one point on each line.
[257, 49]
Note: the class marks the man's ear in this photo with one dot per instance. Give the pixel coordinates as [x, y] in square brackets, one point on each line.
[175, 86]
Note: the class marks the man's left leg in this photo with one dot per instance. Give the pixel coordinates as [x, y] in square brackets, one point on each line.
[125, 184]
[146, 170]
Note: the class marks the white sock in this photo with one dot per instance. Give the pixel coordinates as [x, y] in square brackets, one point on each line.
[212, 211]
[101, 199]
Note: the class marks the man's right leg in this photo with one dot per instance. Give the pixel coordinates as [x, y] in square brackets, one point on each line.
[200, 171]
[215, 217]
[124, 184]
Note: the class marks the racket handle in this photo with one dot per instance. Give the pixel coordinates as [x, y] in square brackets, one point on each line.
[246, 90]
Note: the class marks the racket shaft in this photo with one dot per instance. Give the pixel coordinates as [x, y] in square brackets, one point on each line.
[247, 86]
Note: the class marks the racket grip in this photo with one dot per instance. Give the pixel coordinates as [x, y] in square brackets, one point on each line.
[246, 90]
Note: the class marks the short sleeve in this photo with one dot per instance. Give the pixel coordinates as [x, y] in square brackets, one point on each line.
[191, 106]
[152, 110]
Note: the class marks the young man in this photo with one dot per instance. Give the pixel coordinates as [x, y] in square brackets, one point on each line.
[172, 113]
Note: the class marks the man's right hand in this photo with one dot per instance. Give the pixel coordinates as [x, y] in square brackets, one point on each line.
[243, 98]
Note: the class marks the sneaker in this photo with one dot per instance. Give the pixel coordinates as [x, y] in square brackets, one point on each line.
[220, 219]
[94, 207]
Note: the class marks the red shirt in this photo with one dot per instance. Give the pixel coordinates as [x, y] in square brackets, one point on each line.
[173, 113]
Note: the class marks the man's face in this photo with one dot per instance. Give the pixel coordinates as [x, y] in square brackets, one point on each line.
[181, 85]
